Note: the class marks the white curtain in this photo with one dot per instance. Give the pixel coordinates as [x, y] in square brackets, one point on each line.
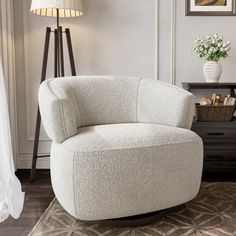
[11, 196]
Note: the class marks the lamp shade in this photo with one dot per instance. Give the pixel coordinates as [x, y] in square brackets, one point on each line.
[67, 8]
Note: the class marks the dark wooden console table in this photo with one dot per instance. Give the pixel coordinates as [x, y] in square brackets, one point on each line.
[219, 138]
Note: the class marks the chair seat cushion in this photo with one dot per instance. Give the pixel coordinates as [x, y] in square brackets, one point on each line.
[131, 135]
[120, 170]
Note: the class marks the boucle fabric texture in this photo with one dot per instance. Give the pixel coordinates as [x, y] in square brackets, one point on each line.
[162, 103]
[128, 169]
[69, 103]
[127, 135]
[120, 147]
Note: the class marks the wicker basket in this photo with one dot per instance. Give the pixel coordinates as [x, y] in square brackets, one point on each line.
[215, 113]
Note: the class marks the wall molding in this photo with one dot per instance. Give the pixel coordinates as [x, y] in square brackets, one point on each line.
[8, 59]
[157, 39]
[26, 67]
[173, 42]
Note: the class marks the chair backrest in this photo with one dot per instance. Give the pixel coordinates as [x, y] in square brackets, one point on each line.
[101, 99]
[69, 103]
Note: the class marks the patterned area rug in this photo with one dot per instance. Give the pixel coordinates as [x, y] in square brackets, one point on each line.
[212, 212]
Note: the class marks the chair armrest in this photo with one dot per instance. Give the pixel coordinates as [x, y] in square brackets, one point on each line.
[57, 112]
[163, 103]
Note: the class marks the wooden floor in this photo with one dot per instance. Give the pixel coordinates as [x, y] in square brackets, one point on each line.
[38, 196]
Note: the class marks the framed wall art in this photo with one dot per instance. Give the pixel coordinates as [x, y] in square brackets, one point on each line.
[210, 8]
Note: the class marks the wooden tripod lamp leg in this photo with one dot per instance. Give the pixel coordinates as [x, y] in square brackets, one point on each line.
[70, 50]
[61, 52]
[38, 121]
[56, 74]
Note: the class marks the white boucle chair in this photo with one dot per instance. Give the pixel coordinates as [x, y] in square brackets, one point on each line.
[121, 145]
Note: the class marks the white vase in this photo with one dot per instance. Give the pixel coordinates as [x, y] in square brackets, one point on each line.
[212, 71]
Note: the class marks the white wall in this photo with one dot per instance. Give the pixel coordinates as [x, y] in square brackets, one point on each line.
[114, 37]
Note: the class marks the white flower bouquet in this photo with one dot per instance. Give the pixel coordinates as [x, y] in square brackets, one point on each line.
[212, 48]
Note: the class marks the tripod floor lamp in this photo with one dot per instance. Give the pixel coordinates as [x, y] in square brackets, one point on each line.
[58, 9]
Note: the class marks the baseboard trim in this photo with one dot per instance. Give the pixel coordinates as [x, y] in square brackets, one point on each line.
[25, 162]
[23, 174]
[221, 177]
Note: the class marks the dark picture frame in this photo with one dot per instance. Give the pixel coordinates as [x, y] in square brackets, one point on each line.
[209, 13]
